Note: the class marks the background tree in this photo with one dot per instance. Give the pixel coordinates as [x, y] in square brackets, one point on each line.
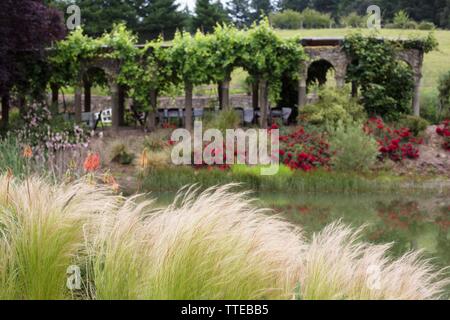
[207, 15]
[26, 28]
[261, 8]
[98, 17]
[297, 5]
[159, 17]
[239, 11]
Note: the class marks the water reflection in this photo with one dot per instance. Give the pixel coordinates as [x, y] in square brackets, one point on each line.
[407, 223]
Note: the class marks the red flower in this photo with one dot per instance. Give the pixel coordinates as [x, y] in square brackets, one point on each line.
[92, 162]
[444, 131]
[395, 144]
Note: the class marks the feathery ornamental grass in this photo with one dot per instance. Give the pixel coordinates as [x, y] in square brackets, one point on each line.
[214, 244]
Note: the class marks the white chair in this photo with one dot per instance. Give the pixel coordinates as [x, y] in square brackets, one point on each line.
[106, 116]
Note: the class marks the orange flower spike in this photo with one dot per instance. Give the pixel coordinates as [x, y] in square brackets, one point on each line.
[27, 152]
[143, 159]
[92, 162]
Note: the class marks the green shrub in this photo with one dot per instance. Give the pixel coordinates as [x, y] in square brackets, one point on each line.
[314, 19]
[386, 83]
[429, 109]
[287, 19]
[353, 20]
[412, 25]
[426, 25]
[354, 149]
[225, 119]
[444, 95]
[401, 19]
[119, 153]
[11, 157]
[153, 144]
[333, 106]
[416, 125]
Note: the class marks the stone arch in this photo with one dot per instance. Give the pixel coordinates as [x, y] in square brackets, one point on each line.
[317, 71]
[319, 50]
[414, 58]
[332, 54]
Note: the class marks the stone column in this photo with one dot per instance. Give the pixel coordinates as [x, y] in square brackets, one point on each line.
[303, 76]
[219, 92]
[301, 92]
[55, 95]
[151, 118]
[416, 95]
[188, 89]
[255, 102]
[263, 103]
[341, 71]
[114, 87]
[121, 98]
[225, 92]
[87, 96]
[77, 102]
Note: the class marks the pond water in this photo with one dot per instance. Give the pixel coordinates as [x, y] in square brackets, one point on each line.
[409, 222]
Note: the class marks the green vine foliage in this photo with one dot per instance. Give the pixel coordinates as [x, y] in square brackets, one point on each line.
[151, 71]
[66, 59]
[192, 58]
[426, 44]
[228, 47]
[386, 84]
[197, 59]
[268, 57]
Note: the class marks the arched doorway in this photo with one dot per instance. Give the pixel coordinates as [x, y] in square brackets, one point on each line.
[320, 72]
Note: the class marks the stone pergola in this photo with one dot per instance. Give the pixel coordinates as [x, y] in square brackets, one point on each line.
[327, 50]
[331, 51]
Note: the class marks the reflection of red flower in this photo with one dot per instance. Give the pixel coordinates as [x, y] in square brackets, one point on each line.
[92, 162]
